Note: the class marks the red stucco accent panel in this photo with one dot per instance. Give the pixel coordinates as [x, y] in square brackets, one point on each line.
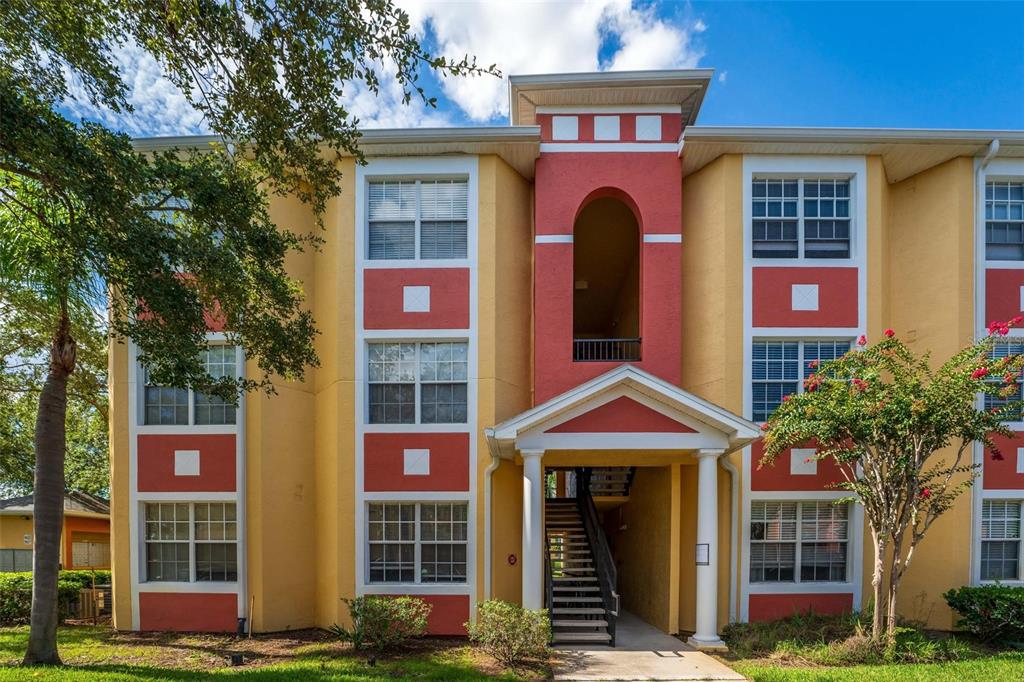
[777, 477]
[383, 298]
[671, 127]
[448, 613]
[774, 606]
[773, 302]
[216, 462]
[384, 461]
[622, 415]
[185, 612]
[1002, 293]
[1001, 474]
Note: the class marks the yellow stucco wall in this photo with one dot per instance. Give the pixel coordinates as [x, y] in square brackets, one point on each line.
[930, 294]
[712, 271]
[280, 475]
[120, 550]
[643, 550]
[505, 261]
[13, 529]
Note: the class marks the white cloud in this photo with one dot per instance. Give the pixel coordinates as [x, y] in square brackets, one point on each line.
[523, 38]
[520, 37]
[722, 76]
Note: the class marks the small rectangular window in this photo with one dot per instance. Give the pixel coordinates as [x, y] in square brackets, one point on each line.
[164, 405]
[435, 372]
[417, 542]
[15, 560]
[185, 539]
[778, 368]
[800, 218]
[425, 219]
[1004, 220]
[1000, 539]
[800, 542]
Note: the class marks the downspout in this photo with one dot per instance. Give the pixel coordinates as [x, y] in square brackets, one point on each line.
[734, 535]
[488, 517]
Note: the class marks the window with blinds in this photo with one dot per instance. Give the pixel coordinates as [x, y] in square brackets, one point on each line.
[798, 541]
[1000, 539]
[417, 219]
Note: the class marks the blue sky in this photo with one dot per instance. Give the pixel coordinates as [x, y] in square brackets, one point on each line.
[915, 65]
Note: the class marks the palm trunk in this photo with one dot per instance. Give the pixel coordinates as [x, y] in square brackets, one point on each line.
[48, 500]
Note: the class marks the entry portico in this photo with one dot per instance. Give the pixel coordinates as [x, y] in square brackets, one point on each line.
[626, 418]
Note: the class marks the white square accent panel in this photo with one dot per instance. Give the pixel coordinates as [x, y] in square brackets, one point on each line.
[1020, 460]
[802, 462]
[648, 128]
[416, 462]
[606, 128]
[416, 299]
[565, 128]
[186, 462]
[1022, 298]
[804, 297]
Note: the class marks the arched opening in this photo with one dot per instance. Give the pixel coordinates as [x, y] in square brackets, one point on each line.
[606, 282]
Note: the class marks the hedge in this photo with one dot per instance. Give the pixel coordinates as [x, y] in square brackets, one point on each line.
[993, 613]
[16, 593]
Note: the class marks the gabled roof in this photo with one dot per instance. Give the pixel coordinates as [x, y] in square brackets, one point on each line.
[703, 418]
[75, 502]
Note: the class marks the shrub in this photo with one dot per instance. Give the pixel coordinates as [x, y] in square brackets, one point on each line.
[381, 623]
[16, 596]
[510, 633]
[800, 629]
[992, 613]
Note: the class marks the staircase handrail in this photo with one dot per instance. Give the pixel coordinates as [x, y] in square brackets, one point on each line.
[604, 562]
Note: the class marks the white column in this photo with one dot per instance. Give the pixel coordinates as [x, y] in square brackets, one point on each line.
[533, 530]
[706, 635]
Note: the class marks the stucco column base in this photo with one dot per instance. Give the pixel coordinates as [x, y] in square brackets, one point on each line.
[704, 644]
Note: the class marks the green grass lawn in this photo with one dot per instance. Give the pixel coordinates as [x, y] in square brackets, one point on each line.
[97, 653]
[995, 669]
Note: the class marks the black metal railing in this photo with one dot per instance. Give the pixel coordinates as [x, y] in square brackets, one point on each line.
[605, 350]
[604, 562]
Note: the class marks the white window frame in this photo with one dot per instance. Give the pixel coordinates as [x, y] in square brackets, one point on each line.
[144, 554]
[191, 424]
[1016, 496]
[799, 542]
[417, 543]
[418, 180]
[417, 342]
[983, 200]
[801, 341]
[800, 218]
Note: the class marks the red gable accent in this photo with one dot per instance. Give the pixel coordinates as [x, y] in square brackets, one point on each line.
[622, 415]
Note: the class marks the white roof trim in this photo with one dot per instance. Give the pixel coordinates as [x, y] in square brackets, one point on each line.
[737, 430]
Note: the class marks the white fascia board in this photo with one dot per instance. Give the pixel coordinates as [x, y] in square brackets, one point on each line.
[867, 135]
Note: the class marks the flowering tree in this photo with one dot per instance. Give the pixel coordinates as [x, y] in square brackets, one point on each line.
[901, 433]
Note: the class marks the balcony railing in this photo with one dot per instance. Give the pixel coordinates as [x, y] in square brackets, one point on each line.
[605, 350]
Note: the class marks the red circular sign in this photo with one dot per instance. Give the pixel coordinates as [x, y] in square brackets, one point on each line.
[512, 559]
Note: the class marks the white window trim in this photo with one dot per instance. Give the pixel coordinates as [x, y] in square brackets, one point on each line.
[418, 179]
[417, 544]
[174, 585]
[446, 427]
[212, 339]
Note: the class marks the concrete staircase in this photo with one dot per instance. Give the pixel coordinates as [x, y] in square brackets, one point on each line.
[577, 610]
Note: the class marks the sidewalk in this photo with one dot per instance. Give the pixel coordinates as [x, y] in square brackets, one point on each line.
[642, 652]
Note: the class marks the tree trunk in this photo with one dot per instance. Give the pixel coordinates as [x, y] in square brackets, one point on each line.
[48, 498]
[894, 585]
[877, 575]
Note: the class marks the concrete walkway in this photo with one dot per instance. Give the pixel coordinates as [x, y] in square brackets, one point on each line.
[642, 652]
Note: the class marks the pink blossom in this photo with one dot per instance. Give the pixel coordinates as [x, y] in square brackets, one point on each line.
[862, 341]
[860, 384]
[890, 333]
[979, 373]
[925, 493]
